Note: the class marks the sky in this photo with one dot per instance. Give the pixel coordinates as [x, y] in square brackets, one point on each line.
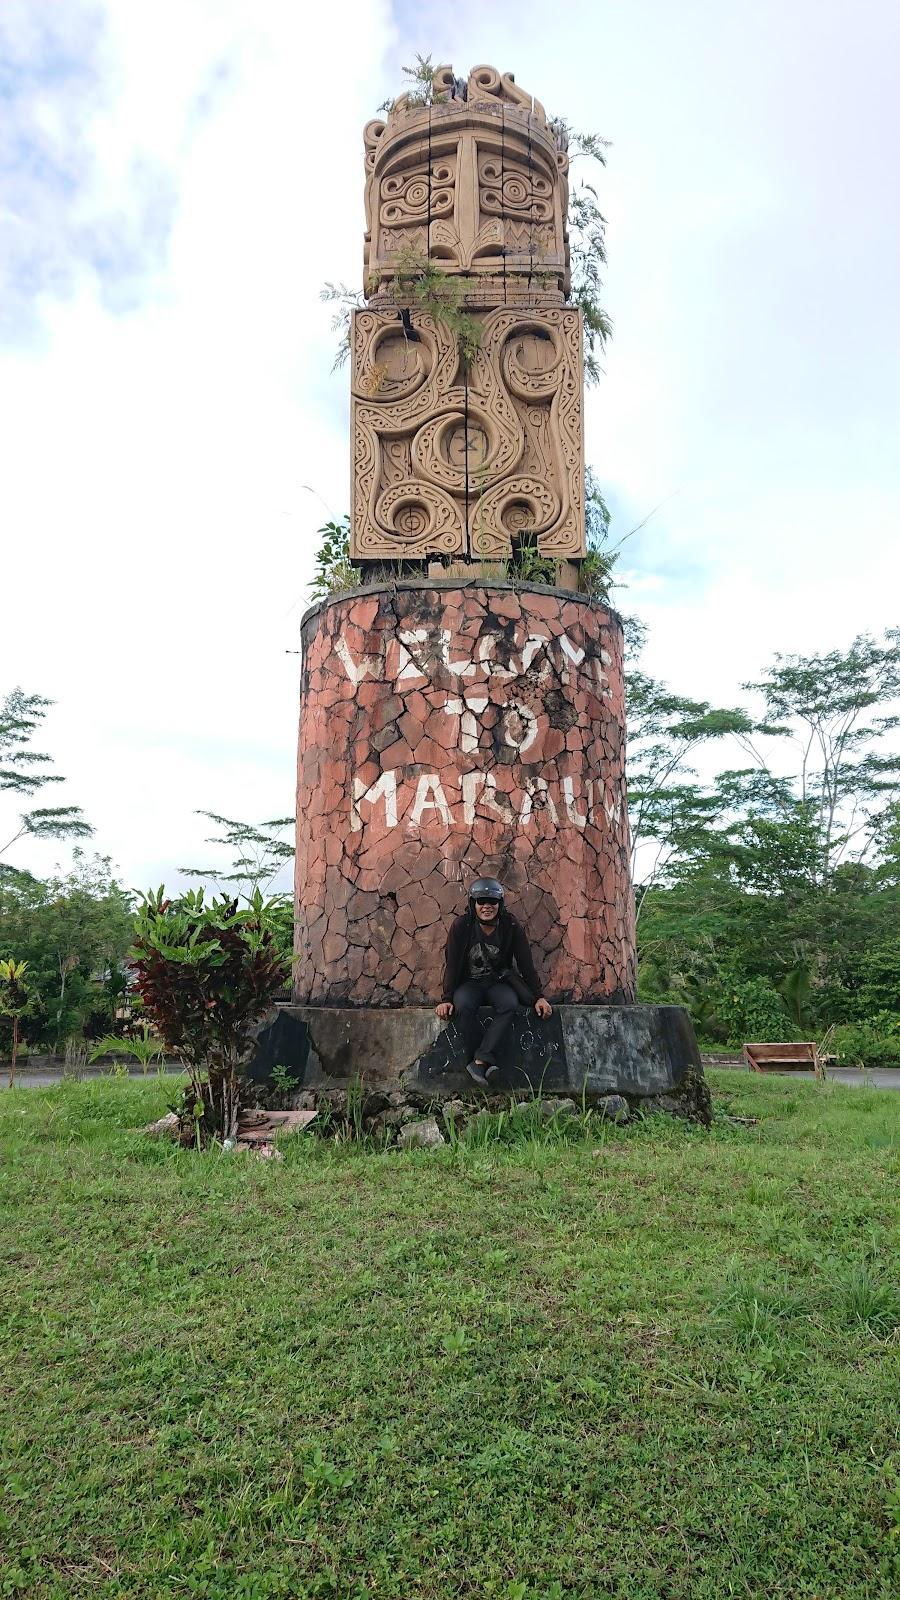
[178, 178]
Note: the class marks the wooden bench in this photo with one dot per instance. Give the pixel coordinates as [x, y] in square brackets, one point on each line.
[803, 1057]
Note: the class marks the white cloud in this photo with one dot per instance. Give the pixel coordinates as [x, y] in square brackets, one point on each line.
[180, 179]
[156, 534]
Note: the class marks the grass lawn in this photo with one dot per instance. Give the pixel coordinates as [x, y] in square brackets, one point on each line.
[652, 1362]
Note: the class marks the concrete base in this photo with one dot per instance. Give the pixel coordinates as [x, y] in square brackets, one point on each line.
[641, 1052]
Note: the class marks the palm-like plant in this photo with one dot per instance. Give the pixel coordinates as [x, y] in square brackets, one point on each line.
[16, 1001]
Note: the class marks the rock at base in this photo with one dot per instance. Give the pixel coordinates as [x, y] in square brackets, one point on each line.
[690, 1100]
[586, 1053]
[425, 1135]
[166, 1128]
[613, 1107]
[558, 1108]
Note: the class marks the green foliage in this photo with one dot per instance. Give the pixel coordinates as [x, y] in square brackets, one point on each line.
[74, 931]
[595, 573]
[16, 1000]
[346, 301]
[587, 248]
[528, 566]
[839, 708]
[423, 286]
[785, 883]
[206, 973]
[284, 1081]
[143, 1047]
[260, 851]
[427, 288]
[23, 772]
[334, 569]
[874, 1042]
[749, 1008]
[421, 90]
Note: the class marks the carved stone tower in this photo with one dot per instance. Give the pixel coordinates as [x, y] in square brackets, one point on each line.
[465, 444]
[457, 721]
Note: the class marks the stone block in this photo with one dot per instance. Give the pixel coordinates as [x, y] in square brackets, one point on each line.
[645, 1054]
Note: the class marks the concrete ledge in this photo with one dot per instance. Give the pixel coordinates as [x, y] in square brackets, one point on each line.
[637, 1051]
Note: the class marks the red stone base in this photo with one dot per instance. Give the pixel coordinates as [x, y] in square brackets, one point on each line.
[449, 732]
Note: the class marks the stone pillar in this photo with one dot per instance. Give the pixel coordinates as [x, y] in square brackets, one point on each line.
[453, 726]
[451, 731]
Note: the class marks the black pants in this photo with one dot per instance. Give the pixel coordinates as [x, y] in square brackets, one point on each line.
[467, 998]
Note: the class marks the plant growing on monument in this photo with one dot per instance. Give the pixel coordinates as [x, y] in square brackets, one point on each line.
[435, 293]
[587, 251]
[528, 565]
[421, 91]
[426, 288]
[442, 295]
[595, 577]
[334, 569]
[16, 1001]
[347, 301]
[206, 973]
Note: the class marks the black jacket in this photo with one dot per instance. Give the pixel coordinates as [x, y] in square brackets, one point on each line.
[514, 946]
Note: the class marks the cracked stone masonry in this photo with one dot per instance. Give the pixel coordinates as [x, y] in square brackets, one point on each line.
[449, 731]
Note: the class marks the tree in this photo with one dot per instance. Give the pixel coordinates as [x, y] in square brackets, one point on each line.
[16, 1000]
[838, 712]
[260, 852]
[74, 930]
[206, 974]
[773, 900]
[23, 772]
[670, 813]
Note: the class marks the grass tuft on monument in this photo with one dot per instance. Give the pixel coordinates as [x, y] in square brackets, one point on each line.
[654, 1362]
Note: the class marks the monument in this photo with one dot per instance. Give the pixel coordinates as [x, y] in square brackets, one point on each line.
[455, 723]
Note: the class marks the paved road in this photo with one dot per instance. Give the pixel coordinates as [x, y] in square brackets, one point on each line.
[44, 1077]
[878, 1078]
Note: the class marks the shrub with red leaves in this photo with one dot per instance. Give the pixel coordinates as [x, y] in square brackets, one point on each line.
[206, 974]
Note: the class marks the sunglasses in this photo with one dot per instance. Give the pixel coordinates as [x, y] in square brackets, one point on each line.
[486, 900]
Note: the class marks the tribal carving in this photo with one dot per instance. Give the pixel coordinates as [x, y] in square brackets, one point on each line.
[476, 181]
[456, 457]
[460, 461]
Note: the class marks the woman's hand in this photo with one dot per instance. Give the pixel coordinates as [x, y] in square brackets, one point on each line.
[543, 1007]
[444, 1010]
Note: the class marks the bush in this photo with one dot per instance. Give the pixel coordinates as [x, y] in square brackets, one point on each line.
[205, 975]
[751, 1009]
[873, 1043]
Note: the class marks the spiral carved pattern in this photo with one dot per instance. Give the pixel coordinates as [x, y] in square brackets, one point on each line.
[408, 199]
[483, 178]
[452, 459]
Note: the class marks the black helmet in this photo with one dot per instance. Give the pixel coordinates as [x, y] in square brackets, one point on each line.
[486, 889]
